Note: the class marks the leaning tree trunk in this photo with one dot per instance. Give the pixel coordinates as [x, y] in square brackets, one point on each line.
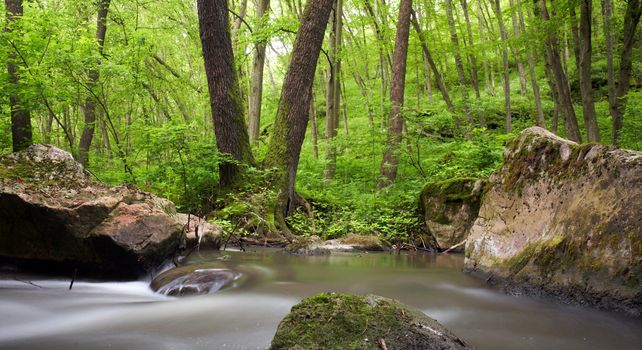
[388, 170]
[258, 64]
[21, 134]
[225, 96]
[586, 86]
[94, 76]
[291, 120]
[617, 108]
[431, 63]
[561, 81]
[502, 30]
[333, 96]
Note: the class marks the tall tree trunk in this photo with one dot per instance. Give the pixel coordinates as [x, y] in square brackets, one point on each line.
[586, 86]
[333, 98]
[508, 119]
[576, 38]
[561, 81]
[388, 170]
[520, 65]
[631, 20]
[540, 119]
[94, 76]
[291, 120]
[428, 57]
[482, 35]
[21, 133]
[473, 59]
[227, 108]
[461, 76]
[257, 75]
[608, 39]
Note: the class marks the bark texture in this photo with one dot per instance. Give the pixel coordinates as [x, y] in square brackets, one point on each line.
[257, 76]
[291, 120]
[225, 99]
[561, 81]
[586, 86]
[388, 170]
[21, 133]
[94, 77]
[617, 108]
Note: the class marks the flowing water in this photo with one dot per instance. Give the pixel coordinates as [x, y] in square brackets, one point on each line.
[47, 315]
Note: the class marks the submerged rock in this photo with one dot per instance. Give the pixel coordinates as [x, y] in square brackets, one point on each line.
[194, 280]
[341, 321]
[450, 208]
[563, 220]
[54, 216]
[350, 243]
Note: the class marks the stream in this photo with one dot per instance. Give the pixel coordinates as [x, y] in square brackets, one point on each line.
[40, 313]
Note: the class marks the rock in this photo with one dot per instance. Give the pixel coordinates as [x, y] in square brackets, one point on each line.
[563, 220]
[54, 216]
[201, 233]
[194, 280]
[342, 321]
[350, 243]
[449, 209]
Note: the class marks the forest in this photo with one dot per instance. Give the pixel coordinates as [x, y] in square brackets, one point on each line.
[123, 87]
[508, 132]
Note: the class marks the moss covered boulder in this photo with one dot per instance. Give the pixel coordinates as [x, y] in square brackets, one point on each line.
[331, 321]
[563, 220]
[53, 216]
[449, 209]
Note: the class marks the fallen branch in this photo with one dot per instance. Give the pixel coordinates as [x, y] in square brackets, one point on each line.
[453, 247]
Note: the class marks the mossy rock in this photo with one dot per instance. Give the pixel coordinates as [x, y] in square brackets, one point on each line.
[342, 321]
[450, 207]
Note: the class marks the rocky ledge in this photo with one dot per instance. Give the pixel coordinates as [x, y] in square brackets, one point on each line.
[563, 220]
[53, 216]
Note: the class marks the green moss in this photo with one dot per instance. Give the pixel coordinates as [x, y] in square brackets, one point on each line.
[340, 321]
[456, 189]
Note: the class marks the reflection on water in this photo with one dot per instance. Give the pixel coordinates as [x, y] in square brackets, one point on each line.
[130, 316]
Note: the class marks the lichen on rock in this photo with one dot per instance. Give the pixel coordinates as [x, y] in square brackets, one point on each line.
[332, 321]
[563, 220]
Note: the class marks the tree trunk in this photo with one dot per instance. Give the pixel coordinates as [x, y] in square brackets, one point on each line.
[608, 39]
[473, 60]
[631, 20]
[586, 86]
[540, 119]
[482, 35]
[561, 81]
[21, 133]
[502, 30]
[227, 108]
[333, 97]
[94, 76]
[428, 57]
[388, 170]
[461, 76]
[576, 39]
[520, 65]
[257, 75]
[291, 120]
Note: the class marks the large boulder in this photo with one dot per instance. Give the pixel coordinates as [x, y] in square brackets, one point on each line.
[449, 209]
[331, 321]
[53, 215]
[563, 220]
